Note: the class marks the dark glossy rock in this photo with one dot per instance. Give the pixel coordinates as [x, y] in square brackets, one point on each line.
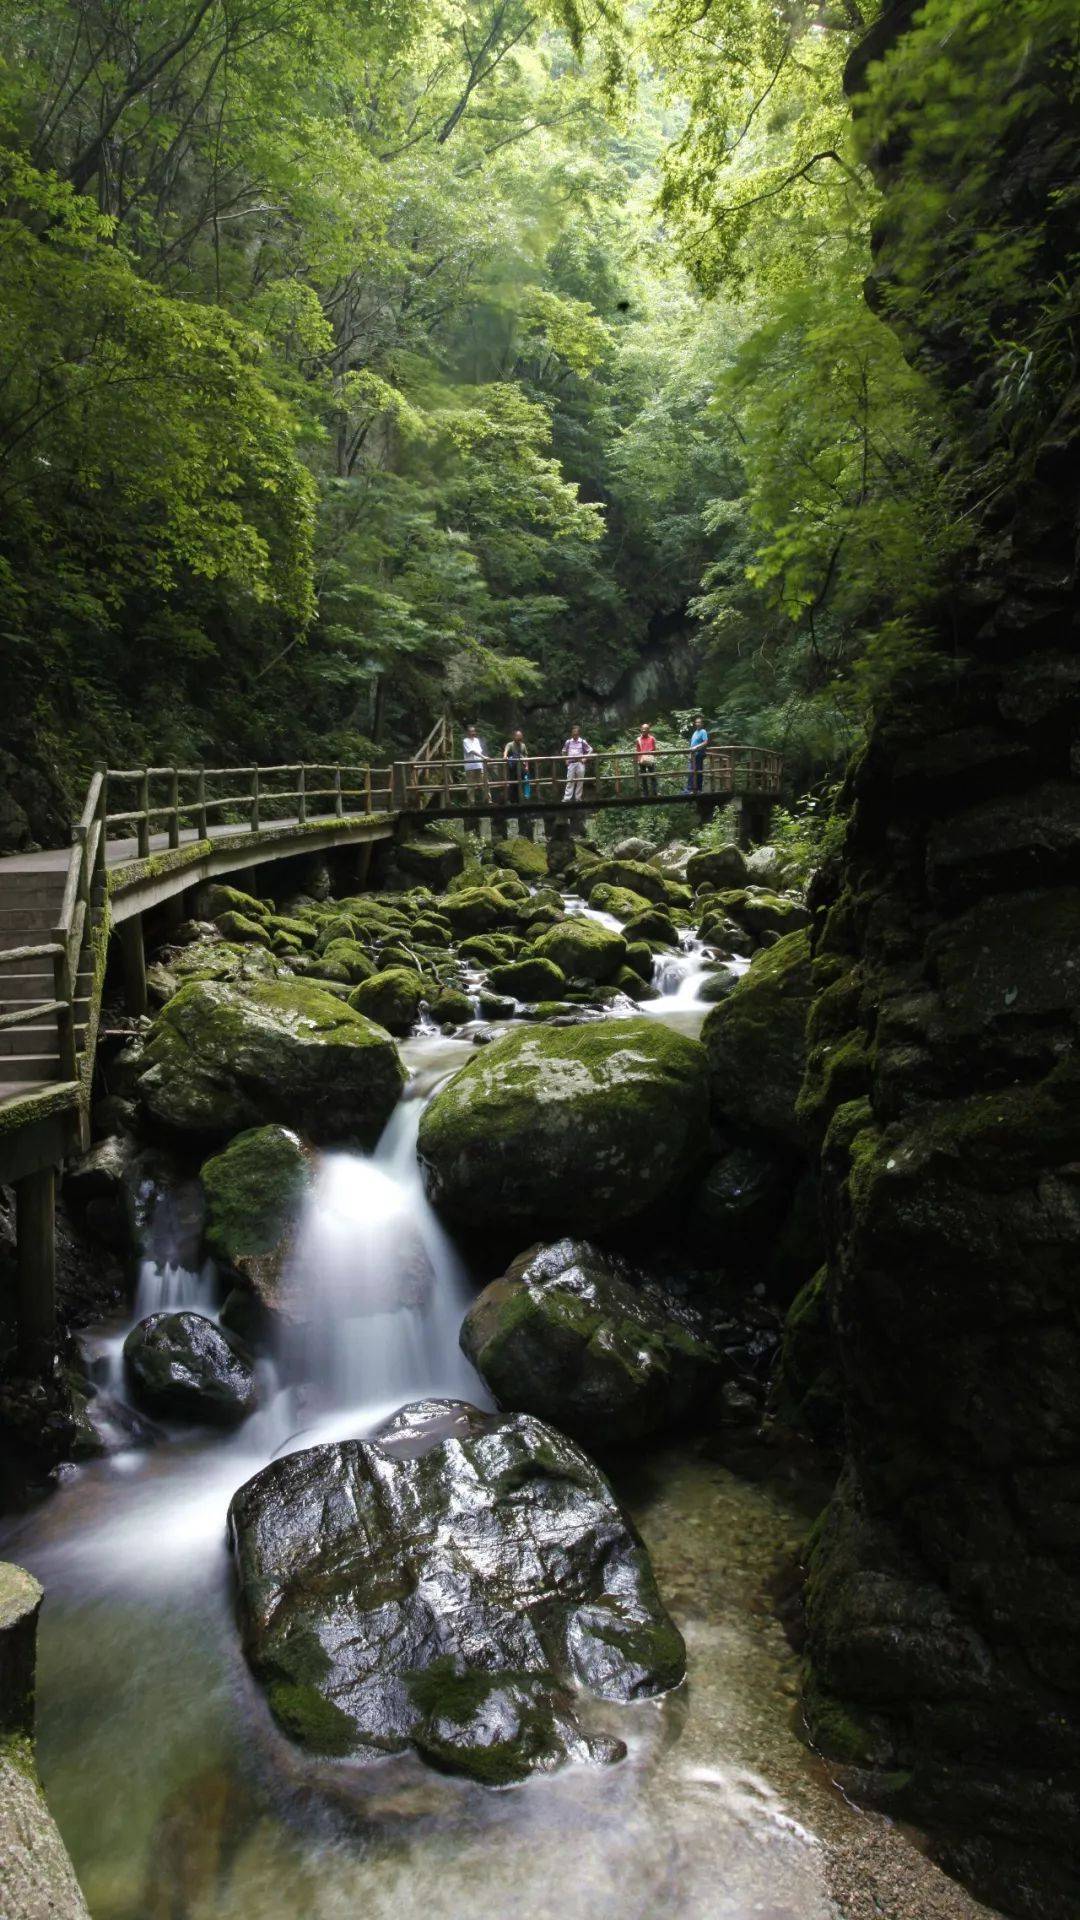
[576, 1127]
[575, 1335]
[182, 1366]
[450, 1591]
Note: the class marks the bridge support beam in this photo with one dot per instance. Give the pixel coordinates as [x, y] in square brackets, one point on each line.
[35, 1237]
[751, 814]
[133, 952]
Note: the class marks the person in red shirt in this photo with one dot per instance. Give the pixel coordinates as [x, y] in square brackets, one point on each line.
[645, 751]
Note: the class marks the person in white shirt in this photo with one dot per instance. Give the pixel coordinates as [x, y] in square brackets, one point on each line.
[576, 752]
[472, 749]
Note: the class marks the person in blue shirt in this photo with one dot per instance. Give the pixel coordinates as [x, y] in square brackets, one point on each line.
[699, 741]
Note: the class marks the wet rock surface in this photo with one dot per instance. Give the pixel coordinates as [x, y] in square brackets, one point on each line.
[579, 1337]
[459, 1598]
[220, 1059]
[182, 1366]
[580, 1125]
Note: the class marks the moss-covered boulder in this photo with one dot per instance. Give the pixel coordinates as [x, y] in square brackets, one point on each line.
[618, 901]
[756, 1042]
[377, 1622]
[241, 928]
[808, 1392]
[525, 858]
[639, 956]
[721, 867]
[451, 1008]
[479, 910]
[181, 1366]
[254, 1192]
[655, 927]
[217, 899]
[573, 1334]
[391, 998]
[637, 876]
[434, 861]
[583, 949]
[629, 981]
[346, 960]
[760, 911]
[531, 978]
[579, 1126]
[221, 1058]
[490, 949]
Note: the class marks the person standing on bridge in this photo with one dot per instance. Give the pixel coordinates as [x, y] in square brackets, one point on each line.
[699, 746]
[645, 751]
[472, 749]
[576, 751]
[516, 756]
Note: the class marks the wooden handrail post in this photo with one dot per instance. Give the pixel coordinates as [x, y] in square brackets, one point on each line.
[255, 796]
[103, 819]
[174, 807]
[65, 1016]
[400, 788]
[301, 795]
[143, 826]
[446, 784]
[84, 871]
[200, 804]
[338, 807]
[367, 789]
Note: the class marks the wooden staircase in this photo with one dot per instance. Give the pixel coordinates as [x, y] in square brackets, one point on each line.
[30, 1053]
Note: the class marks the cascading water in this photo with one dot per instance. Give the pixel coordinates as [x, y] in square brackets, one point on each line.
[379, 1288]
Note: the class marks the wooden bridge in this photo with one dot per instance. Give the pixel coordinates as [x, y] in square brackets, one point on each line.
[147, 835]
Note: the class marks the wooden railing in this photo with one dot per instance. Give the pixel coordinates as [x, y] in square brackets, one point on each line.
[257, 797]
[613, 776]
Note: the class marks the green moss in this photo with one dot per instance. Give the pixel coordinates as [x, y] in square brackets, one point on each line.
[308, 1717]
[442, 1691]
[253, 1192]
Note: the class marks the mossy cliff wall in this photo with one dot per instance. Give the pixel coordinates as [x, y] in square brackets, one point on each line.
[944, 1589]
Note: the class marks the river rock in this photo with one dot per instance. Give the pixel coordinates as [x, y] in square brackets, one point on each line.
[479, 910]
[717, 867]
[220, 1059]
[254, 1192]
[526, 858]
[635, 875]
[391, 998]
[532, 978]
[574, 1127]
[583, 949]
[455, 1597]
[575, 1335]
[760, 911]
[619, 901]
[183, 1366]
[431, 860]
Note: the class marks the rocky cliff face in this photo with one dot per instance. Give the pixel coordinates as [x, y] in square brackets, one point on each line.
[944, 1077]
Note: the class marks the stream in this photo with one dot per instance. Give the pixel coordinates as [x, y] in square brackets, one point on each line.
[176, 1795]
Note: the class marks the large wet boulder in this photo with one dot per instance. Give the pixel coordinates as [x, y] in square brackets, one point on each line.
[756, 1042]
[454, 1594]
[391, 998]
[619, 901]
[183, 1366]
[637, 876]
[759, 911]
[220, 1059]
[254, 1193]
[583, 949]
[433, 861]
[717, 867]
[529, 979]
[526, 858]
[575, 1335]
[480, 909]
[574, 1127]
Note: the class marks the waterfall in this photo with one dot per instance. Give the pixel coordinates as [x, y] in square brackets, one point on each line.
[379, 1289]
